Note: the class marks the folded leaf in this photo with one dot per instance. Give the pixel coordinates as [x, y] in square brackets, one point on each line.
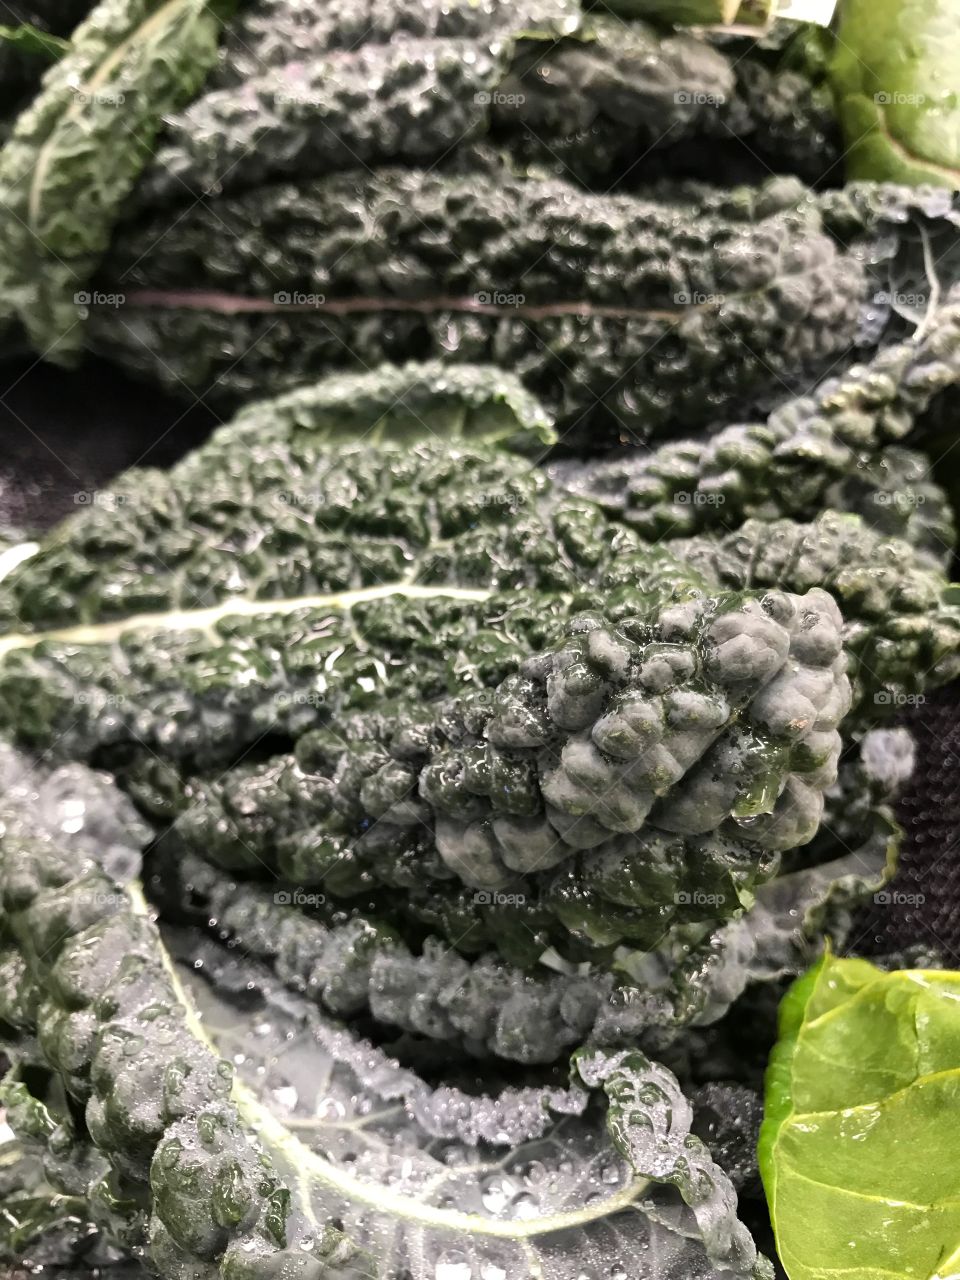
[649, 1119]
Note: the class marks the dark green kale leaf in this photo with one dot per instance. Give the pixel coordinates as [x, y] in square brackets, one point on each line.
[538, 68]
[408, 402]
[61, 1205]
[459, 682]
[785, 118]
[727, 1118]
[39, 1226]
[349, 959]
[366, 1144]
[754, 692]
[293, 499]
[901, 616]
[837, 448]
[76, 150]
[274, 32]
[111, 1026]
[510, 1155]
[909, 236]
[683, 1002]
[175, 1152]
[423, 736]
[606, 758]
[627, 316]
[604, 105]
[682, 489]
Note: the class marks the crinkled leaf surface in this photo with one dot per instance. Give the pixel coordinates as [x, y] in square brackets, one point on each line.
[388, 1175]
[77, 149]
[275, 586]
[857, 1151]
[369, 1145]
[649, 1120]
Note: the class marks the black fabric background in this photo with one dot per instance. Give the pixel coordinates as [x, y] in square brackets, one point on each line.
[66, 433]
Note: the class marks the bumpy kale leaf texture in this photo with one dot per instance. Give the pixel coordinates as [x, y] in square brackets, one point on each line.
[417, 757]
[486, 691]
[840, 447]
[310, 1150]
[622, 326]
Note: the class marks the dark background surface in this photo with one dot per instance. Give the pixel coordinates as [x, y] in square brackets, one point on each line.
[64, 433]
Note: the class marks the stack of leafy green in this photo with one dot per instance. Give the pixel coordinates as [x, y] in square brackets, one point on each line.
[360, 772]
[363, 182]
[407, 825]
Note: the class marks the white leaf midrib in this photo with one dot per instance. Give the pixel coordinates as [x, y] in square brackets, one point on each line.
[311, 1169]
[233, 606]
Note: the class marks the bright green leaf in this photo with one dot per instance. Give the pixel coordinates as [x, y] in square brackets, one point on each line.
[857, 1150]
[894, 75]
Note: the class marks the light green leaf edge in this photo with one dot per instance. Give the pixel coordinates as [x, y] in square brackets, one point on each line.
[393, 404]
[28, 39]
